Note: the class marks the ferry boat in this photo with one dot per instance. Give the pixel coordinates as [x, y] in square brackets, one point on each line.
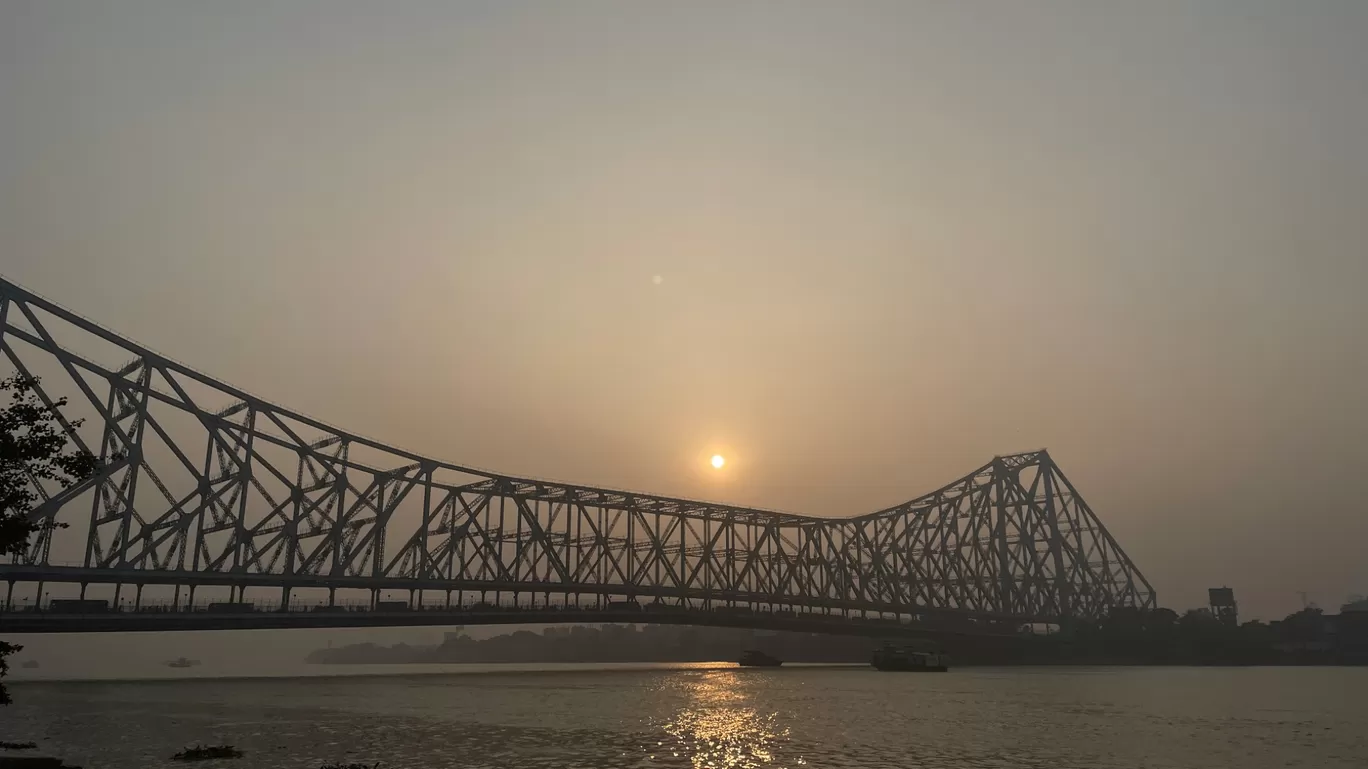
[182, 662]
[758, 659]
[903, 660]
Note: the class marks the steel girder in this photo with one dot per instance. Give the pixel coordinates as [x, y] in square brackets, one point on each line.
[201, 478]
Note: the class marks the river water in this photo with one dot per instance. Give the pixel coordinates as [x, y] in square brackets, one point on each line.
[597, 716]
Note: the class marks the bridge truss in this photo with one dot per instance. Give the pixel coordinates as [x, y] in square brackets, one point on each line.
[204, 484]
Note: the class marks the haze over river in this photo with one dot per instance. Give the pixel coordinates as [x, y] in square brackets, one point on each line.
[592, 716]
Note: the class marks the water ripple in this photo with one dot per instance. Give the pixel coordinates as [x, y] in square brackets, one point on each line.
[718, 719]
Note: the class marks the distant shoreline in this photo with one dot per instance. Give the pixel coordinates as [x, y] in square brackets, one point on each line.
[449, 668]
[406, 669]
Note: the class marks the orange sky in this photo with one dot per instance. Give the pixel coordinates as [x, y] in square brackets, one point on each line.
[892, 241]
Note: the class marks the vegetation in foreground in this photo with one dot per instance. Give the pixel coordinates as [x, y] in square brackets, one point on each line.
[33, 450]
[17, 745]
[203, 752]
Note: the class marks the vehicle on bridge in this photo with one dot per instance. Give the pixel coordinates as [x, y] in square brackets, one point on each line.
[77, 606]
[230, 608]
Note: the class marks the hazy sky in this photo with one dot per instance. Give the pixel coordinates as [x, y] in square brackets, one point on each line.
[893, 240]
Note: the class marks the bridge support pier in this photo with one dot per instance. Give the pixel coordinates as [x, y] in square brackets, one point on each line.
[285, 598]
[175, 600]
[137, 598]
[411, 594]
[375, 598]
[83, 589]
[118, 591]
[9, 596]
[332, 596]
[190, 599]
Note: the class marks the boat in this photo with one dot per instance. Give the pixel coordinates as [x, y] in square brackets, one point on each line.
[904, 660]
[182, 662]
[758, 659]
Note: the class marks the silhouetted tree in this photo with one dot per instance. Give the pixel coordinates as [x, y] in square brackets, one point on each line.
[33, 450]
[1304, 626]
[1163, 619]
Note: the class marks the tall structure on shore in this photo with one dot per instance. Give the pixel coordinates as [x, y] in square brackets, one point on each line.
[1223, 606]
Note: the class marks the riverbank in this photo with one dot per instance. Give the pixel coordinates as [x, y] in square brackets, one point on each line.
[1203, 645]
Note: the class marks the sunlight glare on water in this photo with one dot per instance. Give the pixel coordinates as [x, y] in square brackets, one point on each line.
[717, 728]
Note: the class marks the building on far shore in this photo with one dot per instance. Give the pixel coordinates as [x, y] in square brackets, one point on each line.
[1312, 637]
[1351, 632]
[1223, 606]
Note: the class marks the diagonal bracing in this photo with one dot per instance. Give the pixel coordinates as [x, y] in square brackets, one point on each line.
[201, 478]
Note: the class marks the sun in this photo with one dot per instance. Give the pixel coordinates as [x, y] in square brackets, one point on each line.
[718, 460]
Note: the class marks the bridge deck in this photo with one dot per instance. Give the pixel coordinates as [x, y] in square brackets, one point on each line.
[20, 622]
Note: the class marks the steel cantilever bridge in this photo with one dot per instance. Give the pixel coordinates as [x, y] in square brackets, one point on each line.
[204, 486]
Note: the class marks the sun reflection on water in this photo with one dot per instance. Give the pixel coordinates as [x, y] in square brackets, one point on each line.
[718, 729]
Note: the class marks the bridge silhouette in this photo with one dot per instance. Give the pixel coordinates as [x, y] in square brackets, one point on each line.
[204, 487]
